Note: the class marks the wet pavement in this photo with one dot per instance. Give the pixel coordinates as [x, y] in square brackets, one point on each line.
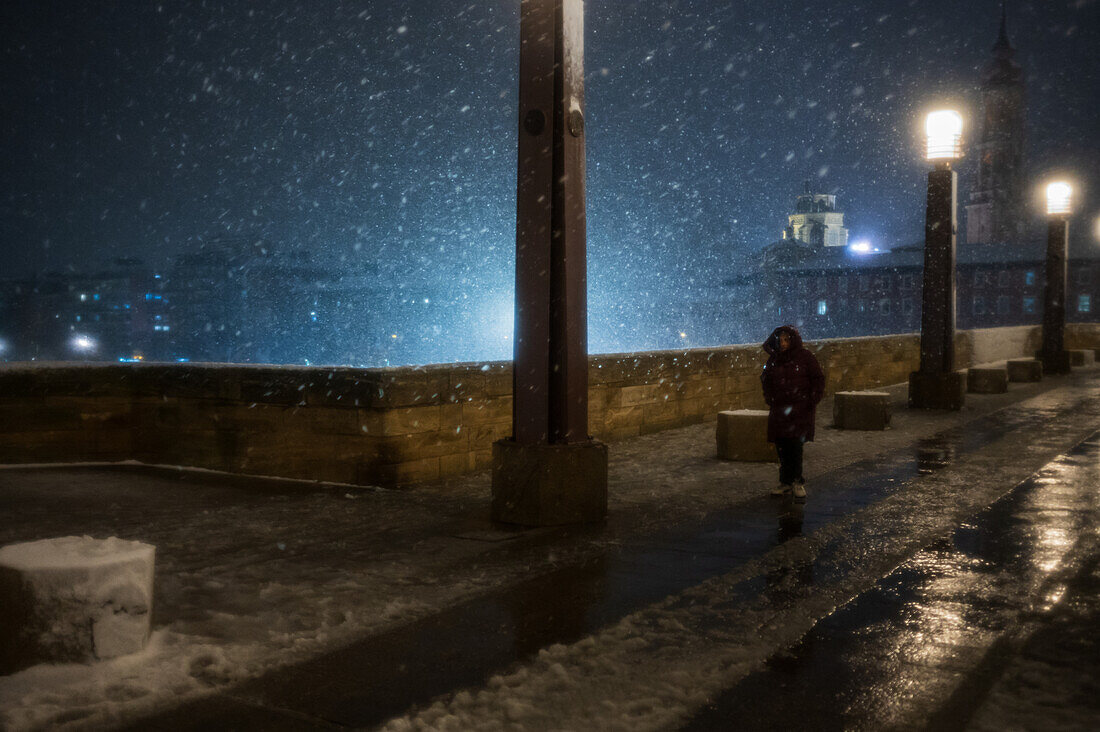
[926, 645]
[852, 649]
[933, 551]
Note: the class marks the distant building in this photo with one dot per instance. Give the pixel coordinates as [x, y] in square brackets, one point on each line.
[816, 221]
[843, 293]
[997, 212]
[832, 291]
[110, 314]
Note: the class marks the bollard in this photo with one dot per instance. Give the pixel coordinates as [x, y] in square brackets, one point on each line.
[73, 599]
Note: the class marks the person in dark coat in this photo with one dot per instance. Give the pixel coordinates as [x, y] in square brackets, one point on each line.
[793, 385]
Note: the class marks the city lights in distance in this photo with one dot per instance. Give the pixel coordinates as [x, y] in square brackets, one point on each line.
[944, 131]
[1058, 197]
[82, 343]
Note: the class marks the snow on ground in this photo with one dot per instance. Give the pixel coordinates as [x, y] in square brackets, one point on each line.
[656, 667]
[248, 581]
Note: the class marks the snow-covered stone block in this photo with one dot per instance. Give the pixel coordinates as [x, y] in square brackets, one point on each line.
[743, 435]
[1024, 369]
[1082, 357]
[73, 599]
[987, 380]
[861, 410]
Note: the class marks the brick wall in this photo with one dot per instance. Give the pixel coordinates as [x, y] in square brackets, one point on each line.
[394, 426]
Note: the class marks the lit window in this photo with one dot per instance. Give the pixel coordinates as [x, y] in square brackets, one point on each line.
[1029, 304]
[821, 307]
[1029, 277]
[83, 297]
[1084, 303]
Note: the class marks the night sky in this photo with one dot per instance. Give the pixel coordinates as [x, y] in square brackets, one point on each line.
[380, 136]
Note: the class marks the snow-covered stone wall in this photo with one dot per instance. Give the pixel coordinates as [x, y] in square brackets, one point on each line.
[401, 425]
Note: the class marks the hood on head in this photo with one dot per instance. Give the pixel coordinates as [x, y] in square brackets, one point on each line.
[771, 346]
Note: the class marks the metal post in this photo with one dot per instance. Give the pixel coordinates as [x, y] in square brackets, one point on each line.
[551, 471]
[937, 328]
[937, 385]
[534, 210]
[1053, 352]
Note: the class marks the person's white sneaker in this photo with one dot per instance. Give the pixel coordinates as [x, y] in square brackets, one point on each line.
[800, 491]
[781, 490]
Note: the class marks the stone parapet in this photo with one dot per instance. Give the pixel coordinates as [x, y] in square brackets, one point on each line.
[398, 426]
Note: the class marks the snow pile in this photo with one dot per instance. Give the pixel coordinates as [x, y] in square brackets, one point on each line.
[73, 599]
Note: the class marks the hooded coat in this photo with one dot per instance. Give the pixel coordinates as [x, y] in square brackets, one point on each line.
[793, 385]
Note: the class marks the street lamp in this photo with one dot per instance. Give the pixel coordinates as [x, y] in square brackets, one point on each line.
[1053, 353]
[83, 345]
[937, 385]
[550, 471]
[944, 133]
[1059, 194]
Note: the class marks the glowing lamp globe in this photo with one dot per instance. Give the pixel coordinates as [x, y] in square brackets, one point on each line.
[83, 343]
[944, 129]
[1058, 198]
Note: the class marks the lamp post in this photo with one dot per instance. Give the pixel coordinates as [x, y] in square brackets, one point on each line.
[550, 471]
[937, 385]
[1053, 352]
[83, 345]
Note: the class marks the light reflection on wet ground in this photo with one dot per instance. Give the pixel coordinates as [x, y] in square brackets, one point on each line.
[463, 646]
[924, 647]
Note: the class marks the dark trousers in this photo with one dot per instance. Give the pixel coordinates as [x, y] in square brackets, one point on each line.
[790, 459]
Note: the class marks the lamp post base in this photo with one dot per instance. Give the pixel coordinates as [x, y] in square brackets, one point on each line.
[1056, 362]
[937, 391]
[549, 485]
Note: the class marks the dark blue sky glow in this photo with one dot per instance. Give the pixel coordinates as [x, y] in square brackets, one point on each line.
[382, 141]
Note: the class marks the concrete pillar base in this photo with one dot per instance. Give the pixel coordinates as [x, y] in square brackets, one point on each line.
[1025, 370]
[743, 435]
[937, 391]
[1081, 357]
[549, 485]
[861, 410]
[1055, 363]
[987, 381]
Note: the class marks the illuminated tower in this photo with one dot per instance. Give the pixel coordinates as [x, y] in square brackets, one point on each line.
[816, 221]
[997, 211]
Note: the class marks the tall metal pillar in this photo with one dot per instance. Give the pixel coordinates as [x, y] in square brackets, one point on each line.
[551, 471]
[937, 322]
[1053, 352]
[937, 385]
